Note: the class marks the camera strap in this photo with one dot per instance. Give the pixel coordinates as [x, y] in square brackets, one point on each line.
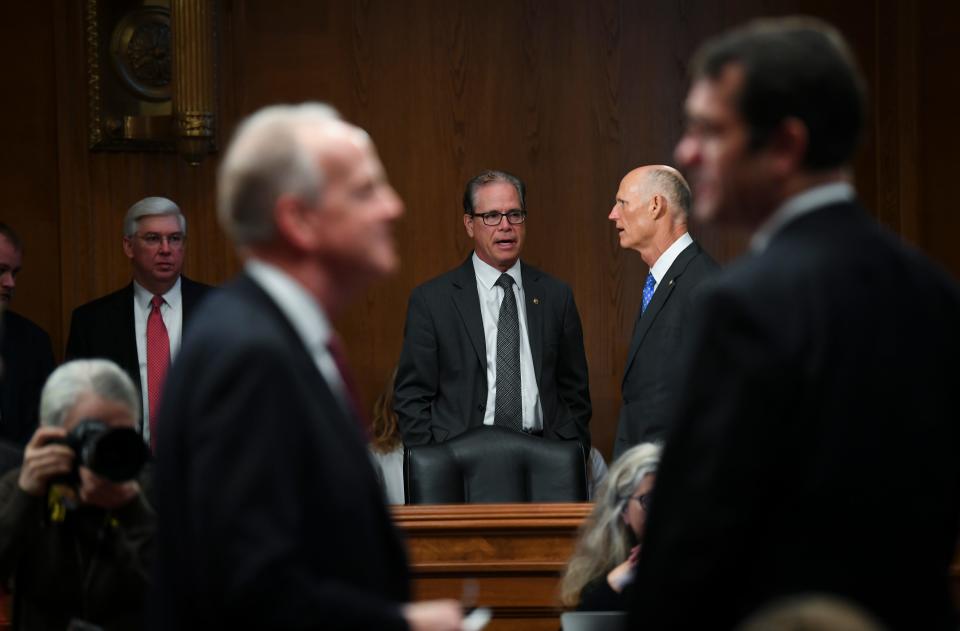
[60, 499]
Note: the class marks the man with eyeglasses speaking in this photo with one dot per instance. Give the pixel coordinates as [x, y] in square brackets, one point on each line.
[140, 326]
[494, 341]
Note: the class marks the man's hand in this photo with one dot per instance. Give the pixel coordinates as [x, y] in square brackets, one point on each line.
[43, 461]
[101, 492]
[434, 615]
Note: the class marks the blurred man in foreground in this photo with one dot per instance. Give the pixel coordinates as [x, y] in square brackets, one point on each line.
[817, 447]
[271, 513]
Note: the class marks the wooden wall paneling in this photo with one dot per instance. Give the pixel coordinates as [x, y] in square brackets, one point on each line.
[570, 95]
[939, 136]
[28, 163]
[907, 96]
[97, 188]
[79, 241]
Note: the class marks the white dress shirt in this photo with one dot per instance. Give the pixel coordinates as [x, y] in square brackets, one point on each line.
[307, 318]
[662, 266]
[797, 206]
[172, 313]
[490, 298]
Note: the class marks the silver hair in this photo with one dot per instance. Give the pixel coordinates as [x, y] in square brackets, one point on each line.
[489, 177]
[670, 183]
[605, 539]
[101, 377]
[268, 158]
[149, 206]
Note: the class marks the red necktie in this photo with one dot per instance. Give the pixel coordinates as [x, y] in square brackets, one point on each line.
[158, 360]
[335, 345]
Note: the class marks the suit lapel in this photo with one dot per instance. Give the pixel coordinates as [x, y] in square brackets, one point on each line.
[532, 305]
[660, 296]
[128, 331]
[329, 401]
[467, 302]
[188, 294]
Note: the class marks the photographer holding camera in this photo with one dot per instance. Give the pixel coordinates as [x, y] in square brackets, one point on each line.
[76, 531]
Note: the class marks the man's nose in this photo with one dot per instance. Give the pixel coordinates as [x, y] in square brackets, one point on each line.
[687, 152]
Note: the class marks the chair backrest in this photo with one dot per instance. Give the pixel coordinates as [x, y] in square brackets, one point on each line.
[492, 464]
[593, 621]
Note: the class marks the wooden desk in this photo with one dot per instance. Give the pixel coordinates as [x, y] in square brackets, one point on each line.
[515, 552]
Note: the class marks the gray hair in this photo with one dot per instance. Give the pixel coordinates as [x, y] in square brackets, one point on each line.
[670, 183]
[267, 158]
[101, 377]
[488, 177]
[605, 539]
[149, 206]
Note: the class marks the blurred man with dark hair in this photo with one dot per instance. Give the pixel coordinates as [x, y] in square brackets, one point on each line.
[816, 447]
[27, 359]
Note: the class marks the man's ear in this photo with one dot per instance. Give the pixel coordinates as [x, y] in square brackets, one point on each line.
[656, 206]
[468, 224]
[788, 146]
[295, 222]
[128, 247]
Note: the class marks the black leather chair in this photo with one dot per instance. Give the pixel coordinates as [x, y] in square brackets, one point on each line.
[492, 464]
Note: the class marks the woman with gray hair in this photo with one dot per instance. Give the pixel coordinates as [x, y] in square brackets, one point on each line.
[75, 546]
[606, 553]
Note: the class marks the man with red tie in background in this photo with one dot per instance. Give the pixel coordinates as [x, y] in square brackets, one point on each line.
[140, 326]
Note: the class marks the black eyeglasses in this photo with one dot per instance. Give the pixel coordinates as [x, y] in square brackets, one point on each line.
[643, 500]
[493, 218]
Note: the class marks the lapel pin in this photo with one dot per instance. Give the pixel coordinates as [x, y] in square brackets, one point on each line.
[536, 301]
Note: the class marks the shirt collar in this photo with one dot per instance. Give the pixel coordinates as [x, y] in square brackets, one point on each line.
[797, 206]
[301, 309]
[488, 275]
[142, 297]
[662, 266]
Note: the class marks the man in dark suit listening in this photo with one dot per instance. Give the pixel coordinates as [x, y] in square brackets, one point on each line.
[494, 341]
[27, 359]
[651, 217]
[817, 445]
[271, 514]
[140, 326]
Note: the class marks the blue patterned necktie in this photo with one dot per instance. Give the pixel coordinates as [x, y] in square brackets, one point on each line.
[648, 288]
[508, 411]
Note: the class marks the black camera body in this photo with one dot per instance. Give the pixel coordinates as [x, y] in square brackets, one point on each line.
[115, 453]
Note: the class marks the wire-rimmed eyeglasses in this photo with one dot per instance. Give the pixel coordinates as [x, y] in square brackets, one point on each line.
[154, 239]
